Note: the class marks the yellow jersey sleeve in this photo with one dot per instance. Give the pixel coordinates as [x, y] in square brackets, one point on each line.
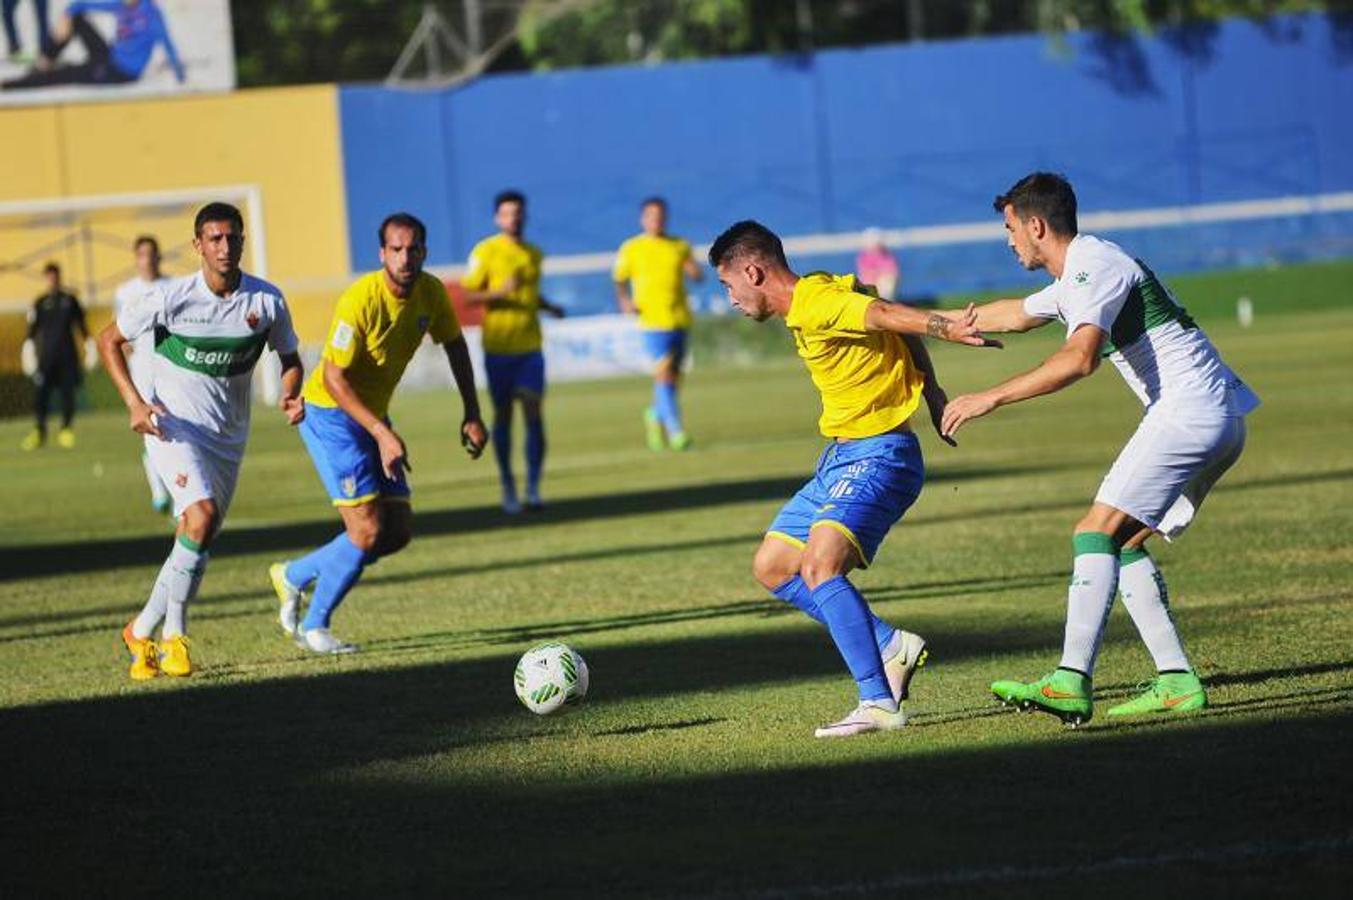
[476, 276]
[347, 331]
[835, 312]
[624, 264]
[443, 325]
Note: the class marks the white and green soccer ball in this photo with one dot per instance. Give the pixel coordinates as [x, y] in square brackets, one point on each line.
[549, 677]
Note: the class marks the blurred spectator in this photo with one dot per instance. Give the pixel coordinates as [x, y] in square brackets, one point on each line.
[876, 265]
[12, 32]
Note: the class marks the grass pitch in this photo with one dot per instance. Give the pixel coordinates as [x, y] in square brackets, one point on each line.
[691, 770]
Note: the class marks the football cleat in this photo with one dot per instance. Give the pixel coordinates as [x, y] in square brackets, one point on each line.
[1065, 694]
[863, 719]
[33, 440]
[908, 653]
[534, 503]
[680, 440]
[1169, 692]
[174, 658]
[145, 658]
[653, 430]
[322, 640]
[289, 597]
[511, 505]
[66, 438]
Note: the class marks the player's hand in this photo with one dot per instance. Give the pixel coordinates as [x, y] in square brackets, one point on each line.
[936, 400]
[473, 437]
[394, 455]
[145, 419]
[961, 409]
[554, 310]
[507, 288]
[959, 328]
[91, 354]
[293, 408]
[28, 358]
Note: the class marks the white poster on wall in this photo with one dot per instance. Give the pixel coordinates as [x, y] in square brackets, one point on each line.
[82, 50]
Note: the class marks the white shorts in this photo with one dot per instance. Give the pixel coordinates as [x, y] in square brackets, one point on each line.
[191, 472]
[1166, 470]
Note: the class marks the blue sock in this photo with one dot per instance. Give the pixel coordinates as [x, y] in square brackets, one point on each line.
[665, 405]
[342, 567]
[848, 619]
[535, 455]
[301, 573]
[502, 452]
[796, 592]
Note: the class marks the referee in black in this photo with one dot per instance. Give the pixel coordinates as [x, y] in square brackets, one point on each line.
[52, 324]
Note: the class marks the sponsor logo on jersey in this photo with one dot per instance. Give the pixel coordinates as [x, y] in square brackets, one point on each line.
[1082, 277]
[214, 357]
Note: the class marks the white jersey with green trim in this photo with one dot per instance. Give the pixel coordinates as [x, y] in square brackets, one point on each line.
[1157, 347]
[143, 349]
[205, 348]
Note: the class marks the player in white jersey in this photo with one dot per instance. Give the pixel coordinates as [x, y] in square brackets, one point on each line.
[1192, 432]
[208, 331]
[142, 351]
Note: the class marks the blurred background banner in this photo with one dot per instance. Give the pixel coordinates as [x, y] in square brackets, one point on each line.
[81, 51]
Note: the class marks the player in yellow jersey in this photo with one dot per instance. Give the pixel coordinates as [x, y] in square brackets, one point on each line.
[378, 324]
[872, 370]
[503, 276]
[650, 272]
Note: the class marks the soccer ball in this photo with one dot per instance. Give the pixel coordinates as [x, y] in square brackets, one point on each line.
[550, 676]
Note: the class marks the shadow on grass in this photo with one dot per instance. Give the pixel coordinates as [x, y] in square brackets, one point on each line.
[340, 784]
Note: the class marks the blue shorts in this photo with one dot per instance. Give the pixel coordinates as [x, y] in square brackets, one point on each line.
[661, 344]
[861, 488]
[511, 374]
[347, 458]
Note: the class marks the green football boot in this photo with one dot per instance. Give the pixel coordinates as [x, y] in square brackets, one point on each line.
[1170, 692]
[653, 433]
[1063, 693]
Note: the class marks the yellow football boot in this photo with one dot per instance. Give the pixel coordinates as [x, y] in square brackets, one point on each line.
[32, 441]
[145, 658]
[174, 658]
[66, 438]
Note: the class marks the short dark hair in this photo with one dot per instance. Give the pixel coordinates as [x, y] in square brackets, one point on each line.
[508, 196]
[218, 212]
[146, 239]
[747, 238]
[1046, 195]
[654, 201]
[404, 220]
[50, 268]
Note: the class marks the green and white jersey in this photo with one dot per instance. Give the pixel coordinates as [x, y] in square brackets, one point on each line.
[205, 348]
[1161, 352]
[143, 349]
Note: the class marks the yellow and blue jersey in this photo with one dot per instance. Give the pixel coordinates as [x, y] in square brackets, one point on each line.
[868, 381]
[512, 324]
[374, 335]
[655, 267]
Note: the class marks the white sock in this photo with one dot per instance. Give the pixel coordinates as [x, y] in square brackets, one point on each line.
[158, 493]
[176, 584]
[1094, 581]
[1148, 602]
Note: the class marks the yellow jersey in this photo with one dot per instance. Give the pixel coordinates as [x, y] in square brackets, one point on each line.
[868, 382]
[655, 268]
[374, 335]
[511, 325]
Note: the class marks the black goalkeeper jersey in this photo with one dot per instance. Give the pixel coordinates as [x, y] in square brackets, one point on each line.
[52, 330]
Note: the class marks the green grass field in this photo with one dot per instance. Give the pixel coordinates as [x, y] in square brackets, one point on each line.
[691, 770]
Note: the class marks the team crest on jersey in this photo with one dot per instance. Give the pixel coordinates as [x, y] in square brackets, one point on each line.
[251, 320]
[422, 324]
[349, 486]
[181, 479]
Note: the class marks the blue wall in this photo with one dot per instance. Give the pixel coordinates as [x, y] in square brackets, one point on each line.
[893, 136]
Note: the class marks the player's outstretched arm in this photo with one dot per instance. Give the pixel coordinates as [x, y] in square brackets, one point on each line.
[472, 433]
[901, 318]
[694, 271]
[623, 298]
[935, 397]
[553, 309]
[293, 375]
[143, 415]
[1077, 358]
[486, 296]
[394, 454]
[1001, 316]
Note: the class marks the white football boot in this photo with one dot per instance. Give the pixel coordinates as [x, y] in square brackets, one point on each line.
[863, 719]
[901, 658]
[322, 640]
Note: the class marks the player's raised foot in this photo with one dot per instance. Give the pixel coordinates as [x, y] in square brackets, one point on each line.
[901, 658]
[863, 719]
[679, 440]
[511, 505]
[1062, 693]
[32, 441]
[653, 435]
[66, 438]
[175, 659]
[534, 504]
[1169, 692]
[324, 641]
[145, 658]
[290, 598]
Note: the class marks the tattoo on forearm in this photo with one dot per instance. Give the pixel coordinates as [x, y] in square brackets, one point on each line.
[937, 326]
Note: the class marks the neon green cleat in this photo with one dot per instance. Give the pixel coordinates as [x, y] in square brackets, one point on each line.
[679, 440]
[289, 598]
[1065, 694]
[33, 440]
[1170, 692]
[66, 438]
[653, 430]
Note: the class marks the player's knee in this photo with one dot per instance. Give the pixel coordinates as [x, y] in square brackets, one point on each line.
[772, 566]
[200, 520]
[816, 568]
[365, 535]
